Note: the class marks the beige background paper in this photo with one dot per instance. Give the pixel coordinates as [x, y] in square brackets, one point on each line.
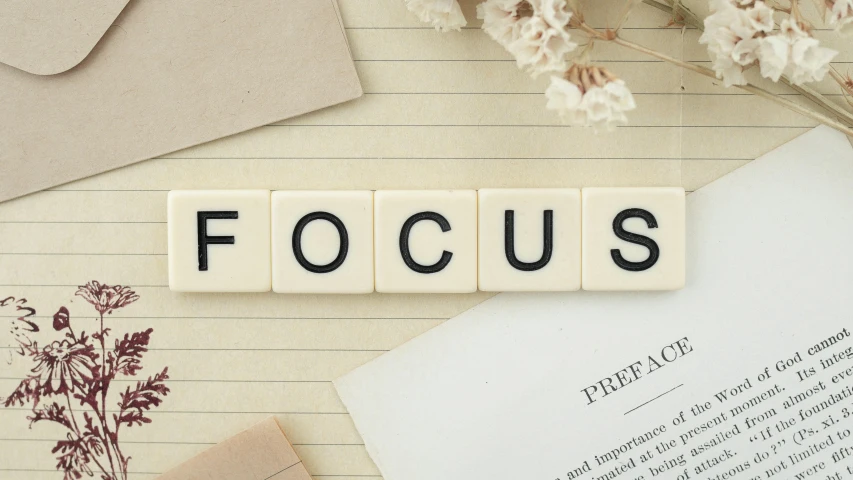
[440, 111]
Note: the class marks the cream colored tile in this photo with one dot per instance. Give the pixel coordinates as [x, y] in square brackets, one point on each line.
[529, 239]
[322, 241]
[426, 241]
[219, 241]
[633, 238]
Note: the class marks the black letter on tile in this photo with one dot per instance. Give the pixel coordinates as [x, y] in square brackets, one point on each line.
[404, 242]
[204, 240]
[547, 240]
[654, 250]
[297, 242]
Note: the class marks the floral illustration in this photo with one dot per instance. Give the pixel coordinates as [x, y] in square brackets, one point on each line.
[71, 379]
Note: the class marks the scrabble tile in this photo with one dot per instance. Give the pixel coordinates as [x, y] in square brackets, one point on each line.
[425, 241]
[633, 238]
[322, 242]
[219, 241]
[529, 239]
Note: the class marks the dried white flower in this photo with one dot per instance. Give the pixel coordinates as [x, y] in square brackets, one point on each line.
[761, 17]
[745, 52]
[590, 96]
[444, 15]
[795, 53]
[540, 47]
[774, 53]
[501, 18]
[565, 97]
[731, 34]
[809, 61]
[535, 32]
[839, 14]
[729, 71]
[555, 12]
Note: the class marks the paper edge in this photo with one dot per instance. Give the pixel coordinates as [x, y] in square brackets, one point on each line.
[38, 66]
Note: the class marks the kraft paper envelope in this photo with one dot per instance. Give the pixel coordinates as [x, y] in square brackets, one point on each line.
[89, 86]
[260, 453]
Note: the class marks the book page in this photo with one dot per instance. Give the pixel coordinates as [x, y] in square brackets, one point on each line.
[746, 374]
[439, 111]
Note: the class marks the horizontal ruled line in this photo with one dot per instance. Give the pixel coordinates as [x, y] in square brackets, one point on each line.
[190, 380]
[450, 158]
[12, 222]
[482, 60]
[71, 254]
[168, 317]
[205, 381]
[202, 412]
[154, 442]
[481, 125]
[511, 60]
[74, 285]
[684, 94]
[130, 190]
[672, 29]
[313, 475]
[322, 350]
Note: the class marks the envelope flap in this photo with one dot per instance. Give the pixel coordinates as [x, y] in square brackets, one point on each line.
[48, 37]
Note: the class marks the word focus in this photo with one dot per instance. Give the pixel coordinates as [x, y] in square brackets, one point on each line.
[427, 241]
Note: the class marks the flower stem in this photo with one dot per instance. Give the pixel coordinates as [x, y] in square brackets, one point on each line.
[80, 436]
[658, 5]
[102, 414]
[795, 10]
[121, 458]
[677, 10]
[821, 101]
[626, 12]
[748, 87]
[845, 84]
[73, 336]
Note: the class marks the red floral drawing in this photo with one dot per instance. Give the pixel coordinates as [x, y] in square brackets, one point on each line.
[72, 378]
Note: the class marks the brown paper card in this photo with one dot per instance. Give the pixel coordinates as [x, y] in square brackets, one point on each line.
[259, 453]
[46, 38]
[166, 76]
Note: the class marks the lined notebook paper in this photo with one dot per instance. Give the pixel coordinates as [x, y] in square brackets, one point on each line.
[440, 111]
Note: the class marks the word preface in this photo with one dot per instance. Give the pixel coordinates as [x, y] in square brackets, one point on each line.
[426, 241]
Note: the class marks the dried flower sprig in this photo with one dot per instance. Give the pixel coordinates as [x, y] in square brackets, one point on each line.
[687, 18]
[740, 35]
[590, 96]
[535, 33]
